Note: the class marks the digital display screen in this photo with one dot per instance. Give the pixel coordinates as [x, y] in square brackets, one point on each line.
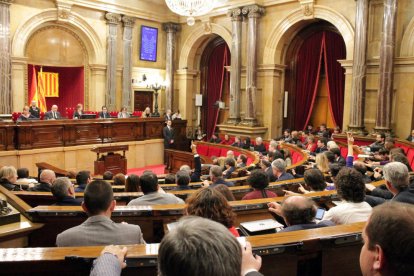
[149, 42]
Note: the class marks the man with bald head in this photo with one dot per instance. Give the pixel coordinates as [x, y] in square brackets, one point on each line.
[53, 114]
[298, 213]
[45, 181]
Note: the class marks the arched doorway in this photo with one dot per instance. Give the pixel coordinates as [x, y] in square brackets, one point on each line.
[314, 79]
[55, 49]
[214, 84]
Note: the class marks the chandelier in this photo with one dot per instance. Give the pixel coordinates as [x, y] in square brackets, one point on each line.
[191, 8]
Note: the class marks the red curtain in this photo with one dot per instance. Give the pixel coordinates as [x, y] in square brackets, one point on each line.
[219, 58]
[309, 62]
[335, 75]
[71, 86]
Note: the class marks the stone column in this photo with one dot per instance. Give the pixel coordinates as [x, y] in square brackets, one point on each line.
[129, 23]
[386, 69]
[253, 12]
[171, 29]
[359, 69]
[6, 103]
[235, 66]
[113, 20]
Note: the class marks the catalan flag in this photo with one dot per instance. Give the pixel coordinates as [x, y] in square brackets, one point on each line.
[36, 92]
[50, 83]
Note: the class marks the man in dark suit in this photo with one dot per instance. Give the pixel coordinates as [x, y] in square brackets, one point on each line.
[168, 116]
[177, 256]
[168, 133]
[338, 157]
[104, 113]
[34, 110]
[99, 229]
[216, 177]
[196, 174]
[397, 181]
[279, 170]
[53, 114]
[46, 179]
[64, 192]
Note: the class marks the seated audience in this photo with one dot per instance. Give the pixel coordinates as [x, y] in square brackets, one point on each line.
[237, 142]
[310, 144]
[266, 166]
[225, 191]
[53, 114]
[259, 181]
[310, 130]
[169, 178]
[196, 174]
[124, 113]
[398, 183]
[153, 194]
[362, 168]
[146, 113]
[45, 181]
[230, 166]
[321, 145]
[287, 138]
[119, 179]
[82, 179]
[351, 189]
[273, 155]
[379, 143]
[388, 241]
[226, 140]
[338, 157]
[182, 178]
[182, 249]
[8, 176]
[321, 162]
[215, 139]
[246, 143]
[314, 180]
[104, 114]
[323, 132]
[332, 145]
[132, 183]
[23, 177]
[279, 170]
[410, 138]
[299, 213]
[287, 156]
[211, 204]
[78, 112]
[199, 134]
[216, 177]
[34, 110]
[241, 161]
[259, 146]
[230, 154]
[107, 175]
[336, 131]
[296, 139]
[99, 229]
[25, 115]
[64, 192]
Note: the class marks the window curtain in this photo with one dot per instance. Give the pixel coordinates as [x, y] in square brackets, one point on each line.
[215, 84]
[309, 62]
[71, 86]
[335, 75]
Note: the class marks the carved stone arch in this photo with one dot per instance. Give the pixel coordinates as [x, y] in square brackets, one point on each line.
[73, 22]
[286, 29]
[407, 43]
[199, 38]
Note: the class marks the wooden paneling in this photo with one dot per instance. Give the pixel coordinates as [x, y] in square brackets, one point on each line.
[6, 136]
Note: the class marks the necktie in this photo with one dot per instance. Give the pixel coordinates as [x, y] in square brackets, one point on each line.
[54, 115]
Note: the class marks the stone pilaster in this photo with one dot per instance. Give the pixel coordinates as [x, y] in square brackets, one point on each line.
[359, 69]
[235, 66]
[171, 29]
[6, 102]
[128, 23]
[386, 69]
[253, 13]
[113, 20]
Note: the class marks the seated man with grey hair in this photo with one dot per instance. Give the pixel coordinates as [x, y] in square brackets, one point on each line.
[398, 183]
[191, 249]
[182, 178]
[64, 192]
[279, 170]
[196, 174]
[216, 177]
[45, 181]
[259, 146]
[299, 213]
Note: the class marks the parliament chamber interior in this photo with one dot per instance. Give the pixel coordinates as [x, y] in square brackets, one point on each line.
[206, 137]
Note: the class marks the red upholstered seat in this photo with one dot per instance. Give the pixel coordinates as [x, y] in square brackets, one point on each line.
[137, 113]
[202, 150]
[15, 115]
[113, 113]
[223, 152]
[266, 144]
[404, 147]
[249, 161]
[41, 115]
[69, 112]
[344, 152]
[214, 151]
[410, 155]
[296, 157]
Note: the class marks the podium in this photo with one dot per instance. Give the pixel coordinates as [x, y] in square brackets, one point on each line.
[113, 162]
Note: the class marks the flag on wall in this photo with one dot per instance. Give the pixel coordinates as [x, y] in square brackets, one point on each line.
[36, 94]
[49, 82]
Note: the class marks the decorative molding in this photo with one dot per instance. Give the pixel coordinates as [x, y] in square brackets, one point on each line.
[207, 27]
[307, 8]
[113, 18]
[64, 9]
[171, 27]
[128, 21]
[253, 11]
[235, 14]
[6, 2]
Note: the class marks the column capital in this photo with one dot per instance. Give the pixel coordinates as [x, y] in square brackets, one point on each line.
[236, 14]
[128, 21]
[6, 2]
[255, 11]
[113, 18]
[171, 27]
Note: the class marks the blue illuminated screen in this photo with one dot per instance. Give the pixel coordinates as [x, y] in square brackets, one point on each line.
[149, 39]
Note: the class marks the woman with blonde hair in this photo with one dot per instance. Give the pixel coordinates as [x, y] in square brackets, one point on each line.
[8, 176]
[146, 113]
[322, 163]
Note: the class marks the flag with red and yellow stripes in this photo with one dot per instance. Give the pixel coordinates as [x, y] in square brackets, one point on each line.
[49, 82]
[36, 93]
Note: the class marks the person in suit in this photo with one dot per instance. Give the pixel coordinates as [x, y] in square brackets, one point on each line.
[259, 146]
[230, 166]
[211, 244]
[104, 114]
[182, 178]
[45, 182]
[64, 192]
[25, 115]
[196, 174]
[215, 139]
[279, 170]
[99, 229]
[338, 157]
[124, 113]
[299, 213]
[53, 114]
[83, 178]
[8, 176]
[168, 133]
[153, 194]
[34, 110]
[216, 177]
[398, 183]
[78, 112]
[237, 142]
[168, 116]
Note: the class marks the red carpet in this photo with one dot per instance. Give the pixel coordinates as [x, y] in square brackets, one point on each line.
[157, 169]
